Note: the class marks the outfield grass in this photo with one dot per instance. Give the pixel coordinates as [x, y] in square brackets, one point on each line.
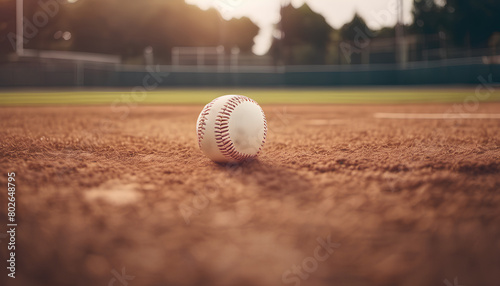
[263, 96]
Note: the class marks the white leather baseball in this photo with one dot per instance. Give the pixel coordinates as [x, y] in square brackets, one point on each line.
[231, 128]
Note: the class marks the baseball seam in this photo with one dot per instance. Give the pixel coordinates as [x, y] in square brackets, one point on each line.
[203, 121]
[222, 136]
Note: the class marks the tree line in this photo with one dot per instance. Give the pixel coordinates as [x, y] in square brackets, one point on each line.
[122, 27]
[127, 27]
[307, 38]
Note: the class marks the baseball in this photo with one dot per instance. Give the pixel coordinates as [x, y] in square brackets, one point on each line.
[231, 128]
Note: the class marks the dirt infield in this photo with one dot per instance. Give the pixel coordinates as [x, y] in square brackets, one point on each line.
[338, 197]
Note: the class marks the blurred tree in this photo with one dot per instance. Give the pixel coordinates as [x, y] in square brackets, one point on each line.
[7, 26]
[100, 27]
[470, 23]
[427, 17]
[234, 28]
[303, 36]
[41, 21]
[356, 37]
[354, 29]
[386, 32]
[127, 27]
[428, 24]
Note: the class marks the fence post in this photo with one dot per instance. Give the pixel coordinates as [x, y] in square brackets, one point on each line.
[80, 70]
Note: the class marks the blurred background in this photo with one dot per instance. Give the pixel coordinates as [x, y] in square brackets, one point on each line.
[383, 136]
[248, 43]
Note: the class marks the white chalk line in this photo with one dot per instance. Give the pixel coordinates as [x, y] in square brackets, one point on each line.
[325, 122]
[436, 115]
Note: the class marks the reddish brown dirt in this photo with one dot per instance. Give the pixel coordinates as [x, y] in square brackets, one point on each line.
[410, 202]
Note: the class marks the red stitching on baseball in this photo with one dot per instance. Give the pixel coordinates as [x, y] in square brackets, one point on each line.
[202, 123]
[222, 137]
